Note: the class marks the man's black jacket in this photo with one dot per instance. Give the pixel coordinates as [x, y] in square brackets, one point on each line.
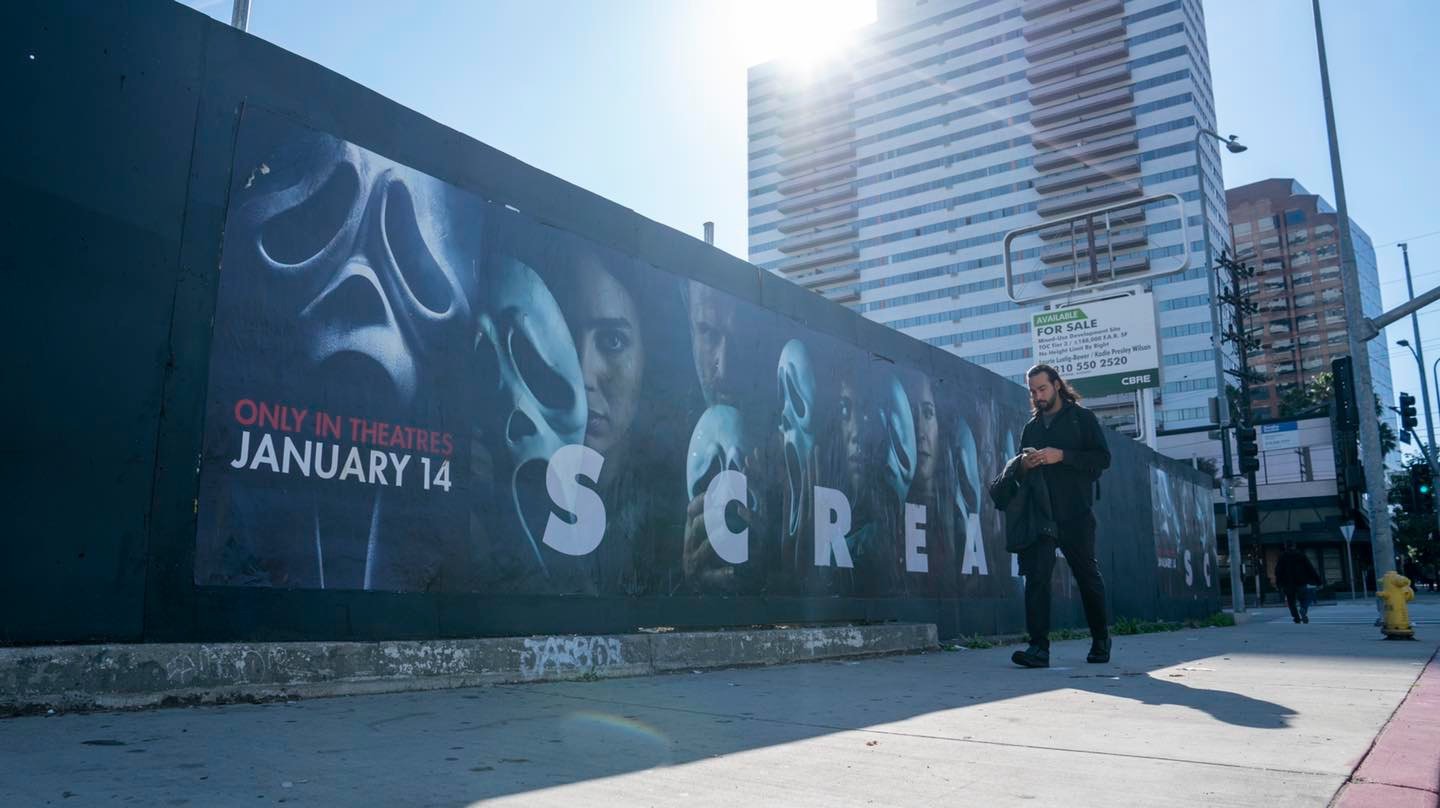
[1294, 570]
[1076, 432]
[1026, 503]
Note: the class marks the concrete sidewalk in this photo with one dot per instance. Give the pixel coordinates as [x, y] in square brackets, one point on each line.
[1269, 713]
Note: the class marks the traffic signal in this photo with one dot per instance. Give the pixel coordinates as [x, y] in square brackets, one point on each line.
[1248, 449]
[1342, 405]
[1407, 412]
[1422, 488]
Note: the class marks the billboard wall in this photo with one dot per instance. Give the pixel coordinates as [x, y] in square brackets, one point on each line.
[414, 389]
[364, 377]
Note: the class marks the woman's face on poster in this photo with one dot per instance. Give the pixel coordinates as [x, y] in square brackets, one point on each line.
[611, 345]
[927, 433]
[851, 437]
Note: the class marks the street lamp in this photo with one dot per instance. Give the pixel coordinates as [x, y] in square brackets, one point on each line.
[1222, 398]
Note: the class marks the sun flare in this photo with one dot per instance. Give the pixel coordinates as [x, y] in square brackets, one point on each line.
[801, 34]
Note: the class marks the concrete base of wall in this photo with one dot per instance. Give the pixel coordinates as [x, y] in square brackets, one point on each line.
[146, 675]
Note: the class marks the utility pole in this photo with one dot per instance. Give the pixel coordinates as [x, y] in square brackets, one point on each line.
[1242, 308]
[1382, 544]
[1222, 397]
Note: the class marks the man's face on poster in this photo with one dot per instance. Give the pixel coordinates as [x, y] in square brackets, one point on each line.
[713, 341]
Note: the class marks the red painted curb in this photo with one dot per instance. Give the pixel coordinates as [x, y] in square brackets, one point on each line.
[1403, 767]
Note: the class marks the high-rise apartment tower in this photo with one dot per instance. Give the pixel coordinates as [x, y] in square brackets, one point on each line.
[887, 179]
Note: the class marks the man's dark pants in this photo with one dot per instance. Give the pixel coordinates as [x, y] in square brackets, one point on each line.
[1037, 563]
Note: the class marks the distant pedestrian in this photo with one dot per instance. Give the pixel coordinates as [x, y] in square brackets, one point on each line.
[1066, 445]
[1296, 577]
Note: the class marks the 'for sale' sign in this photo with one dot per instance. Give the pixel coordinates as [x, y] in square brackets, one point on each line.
[1101, 347]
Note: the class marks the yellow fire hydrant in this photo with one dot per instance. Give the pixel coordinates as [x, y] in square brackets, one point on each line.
[1394, 593]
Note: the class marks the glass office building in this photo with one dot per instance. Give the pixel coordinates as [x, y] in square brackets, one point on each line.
[887, 180]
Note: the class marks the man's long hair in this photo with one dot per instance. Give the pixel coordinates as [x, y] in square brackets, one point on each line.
[1066, 392]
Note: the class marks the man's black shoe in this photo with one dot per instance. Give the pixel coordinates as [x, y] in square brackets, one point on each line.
[1032, 657]
[1099, 651]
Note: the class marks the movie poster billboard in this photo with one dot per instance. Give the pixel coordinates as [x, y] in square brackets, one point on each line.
[1184, 521]
[416, 389]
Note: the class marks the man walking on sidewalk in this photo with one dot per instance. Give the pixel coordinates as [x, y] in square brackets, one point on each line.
[1070, 451]
[1295, 575]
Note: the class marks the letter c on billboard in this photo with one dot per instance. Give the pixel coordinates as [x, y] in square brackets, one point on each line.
[732, 546]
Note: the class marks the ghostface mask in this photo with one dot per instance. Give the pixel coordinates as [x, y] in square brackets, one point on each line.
[532, 394]
[796, 380]
[967, 464]
[363, 254]
[717, 444]
[898, 424]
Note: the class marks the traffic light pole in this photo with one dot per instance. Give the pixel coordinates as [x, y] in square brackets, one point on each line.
[1382, 544]
[1239, 335]
[1420, 361]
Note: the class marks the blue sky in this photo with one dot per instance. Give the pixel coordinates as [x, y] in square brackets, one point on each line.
[643, 101]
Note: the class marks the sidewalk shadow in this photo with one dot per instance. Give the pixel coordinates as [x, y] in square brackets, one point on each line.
[1222, 705]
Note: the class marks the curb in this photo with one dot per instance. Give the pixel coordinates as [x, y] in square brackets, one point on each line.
[81, 677]
[1402, 767]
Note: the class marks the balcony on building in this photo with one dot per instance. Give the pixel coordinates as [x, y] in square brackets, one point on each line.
[1100, 173]
[1104, 101]
[1074, 87]
[819, 217]
[830, 255]
[1076, 41]
[1132, 265]
[827, 276]
[809, 142]
[817, 198]
[1091, 198]
[806, 121]
[805, 241]
[819, 159]
[1068, 17]
[1087, 152]
[1077, 64]
[1080, 247]
[815, 179]
[1077, 228]
[1082, 130]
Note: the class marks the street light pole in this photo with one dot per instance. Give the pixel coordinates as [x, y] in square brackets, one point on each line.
[1382, 545]
[240, 14]
[1222, 396]
[1419, 352]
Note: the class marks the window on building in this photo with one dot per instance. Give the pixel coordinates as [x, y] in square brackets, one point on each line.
[1241, 229]
[1324, 231]
[1307, 321]
[1298, 236]
[1267, 223]
[1279, 327]
[1305, 301]
[1302, 279]
[1294, 217]
[1270, 243]
[1300, 258]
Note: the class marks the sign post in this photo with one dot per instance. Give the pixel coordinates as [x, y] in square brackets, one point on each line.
[1102, 347]
[1347, 529]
